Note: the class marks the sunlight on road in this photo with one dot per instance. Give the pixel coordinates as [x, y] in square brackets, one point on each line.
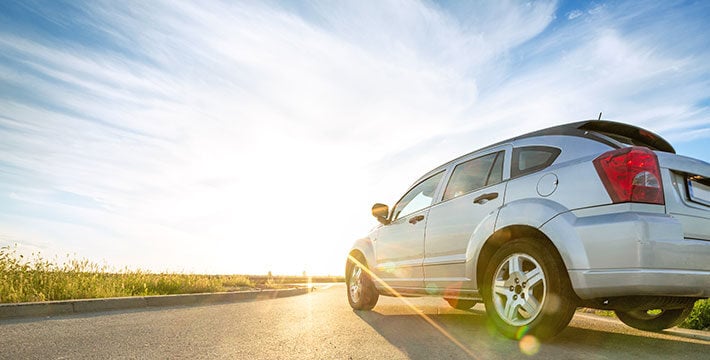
[409, 304]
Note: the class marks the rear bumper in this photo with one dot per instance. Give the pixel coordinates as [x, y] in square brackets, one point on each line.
[630, 253]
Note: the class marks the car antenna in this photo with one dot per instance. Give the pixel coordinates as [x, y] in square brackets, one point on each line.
[600, 116]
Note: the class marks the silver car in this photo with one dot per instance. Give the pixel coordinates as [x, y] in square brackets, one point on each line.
[594, 213]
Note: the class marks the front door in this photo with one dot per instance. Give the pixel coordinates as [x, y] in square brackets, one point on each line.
[399, 245]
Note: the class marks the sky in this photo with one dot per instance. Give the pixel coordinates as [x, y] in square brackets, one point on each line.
[247, 137]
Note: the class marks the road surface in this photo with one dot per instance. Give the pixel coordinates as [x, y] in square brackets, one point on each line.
[321, 325]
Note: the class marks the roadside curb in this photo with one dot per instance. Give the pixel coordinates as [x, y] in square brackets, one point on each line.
[67, 307]
[675, 331]
[688, 333]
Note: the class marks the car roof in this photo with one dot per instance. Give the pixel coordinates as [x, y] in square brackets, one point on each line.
[587, 129]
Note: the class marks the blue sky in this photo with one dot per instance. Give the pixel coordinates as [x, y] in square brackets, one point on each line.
[243, 137]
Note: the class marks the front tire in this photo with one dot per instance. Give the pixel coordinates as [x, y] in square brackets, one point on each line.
[648, 320]
[362, 294]
[526, 290]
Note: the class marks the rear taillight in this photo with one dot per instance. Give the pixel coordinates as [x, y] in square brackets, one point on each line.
[631, 175]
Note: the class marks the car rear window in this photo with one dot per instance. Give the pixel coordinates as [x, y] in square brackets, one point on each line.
[529, 159]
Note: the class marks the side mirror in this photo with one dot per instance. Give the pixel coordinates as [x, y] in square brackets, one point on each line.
[381, 211]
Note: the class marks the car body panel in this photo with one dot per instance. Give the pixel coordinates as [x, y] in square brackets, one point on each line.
[366, 248]
[448, 235]
[693, 216]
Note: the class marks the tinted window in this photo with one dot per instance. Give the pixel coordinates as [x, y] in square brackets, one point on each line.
[418, 197]
[533, 158]
[475, 174]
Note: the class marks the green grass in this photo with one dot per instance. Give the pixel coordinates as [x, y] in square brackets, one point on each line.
[39, 279]
[699, 318]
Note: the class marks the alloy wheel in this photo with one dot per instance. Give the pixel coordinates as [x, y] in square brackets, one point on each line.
[519, 289]
[356, 284]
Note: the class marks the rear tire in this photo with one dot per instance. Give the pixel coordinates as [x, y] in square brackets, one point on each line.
[526, 290]
[362, 294]
[461, 304]
[643, 320]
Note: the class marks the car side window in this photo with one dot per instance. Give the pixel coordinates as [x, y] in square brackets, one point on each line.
[475, 174]
[418, 197]
[532, 158]
[496, 175]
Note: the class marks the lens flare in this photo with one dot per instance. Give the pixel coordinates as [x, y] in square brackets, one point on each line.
[432, 289]
[529, 345]
[521, 332]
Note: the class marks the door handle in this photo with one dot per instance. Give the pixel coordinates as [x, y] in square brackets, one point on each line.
[485, 198]
[416, 219]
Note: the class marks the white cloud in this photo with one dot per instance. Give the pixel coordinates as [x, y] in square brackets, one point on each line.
[574, 14]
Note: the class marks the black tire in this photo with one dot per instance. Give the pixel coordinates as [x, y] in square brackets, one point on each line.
[361, 291]
[517, 307]
[652, 321]
[461, 304]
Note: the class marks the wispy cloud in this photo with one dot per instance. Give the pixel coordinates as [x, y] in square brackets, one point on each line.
[194, 136]
[574, 14]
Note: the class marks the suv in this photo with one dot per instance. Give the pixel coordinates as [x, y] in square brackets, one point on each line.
[594, 213]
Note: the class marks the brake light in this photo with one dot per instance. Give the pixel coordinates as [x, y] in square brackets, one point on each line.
[631, 175]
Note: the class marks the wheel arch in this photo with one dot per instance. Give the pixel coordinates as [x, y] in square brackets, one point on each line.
[502, 236]
[542, 219]
[365, 250]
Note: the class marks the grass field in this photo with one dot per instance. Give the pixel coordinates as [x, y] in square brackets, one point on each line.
[38, 279]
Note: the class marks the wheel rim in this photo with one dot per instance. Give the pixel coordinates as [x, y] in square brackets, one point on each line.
[519, 289]
[356, 284]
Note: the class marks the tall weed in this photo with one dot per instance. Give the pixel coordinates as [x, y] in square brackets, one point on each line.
[38, 279]
[699, 318]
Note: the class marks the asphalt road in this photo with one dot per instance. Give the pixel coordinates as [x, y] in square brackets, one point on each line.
[321, 325]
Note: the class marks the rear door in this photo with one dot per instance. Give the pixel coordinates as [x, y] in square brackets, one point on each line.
[474, 190]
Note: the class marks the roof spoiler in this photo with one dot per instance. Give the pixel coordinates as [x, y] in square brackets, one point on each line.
[634, 133]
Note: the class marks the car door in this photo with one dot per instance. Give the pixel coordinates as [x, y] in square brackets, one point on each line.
[474, 191]
[399, 246]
